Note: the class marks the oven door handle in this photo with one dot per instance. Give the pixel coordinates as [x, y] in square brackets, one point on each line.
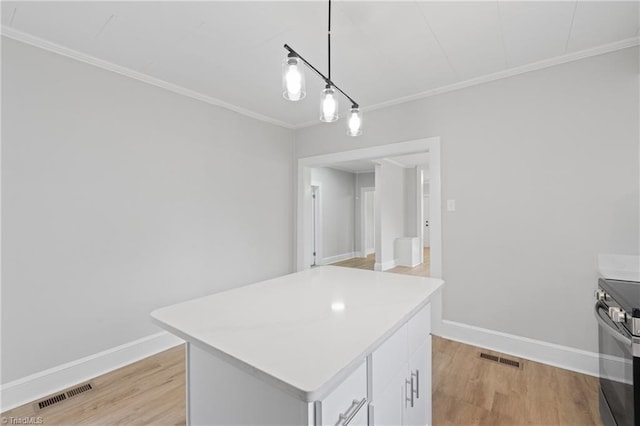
[613, 330]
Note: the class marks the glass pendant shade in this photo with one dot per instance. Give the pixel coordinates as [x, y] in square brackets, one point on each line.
[354, 122]
[328, 105]
[293, 87]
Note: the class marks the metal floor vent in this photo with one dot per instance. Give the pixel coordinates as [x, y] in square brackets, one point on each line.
[53, 400]
[64, 396]
[500, 359]
[79, 390]
[489, 357]
[510, 362]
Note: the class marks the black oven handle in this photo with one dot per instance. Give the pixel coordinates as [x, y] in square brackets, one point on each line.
[613, 330]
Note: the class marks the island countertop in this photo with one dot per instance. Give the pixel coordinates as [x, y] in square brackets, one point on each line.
[302, 332]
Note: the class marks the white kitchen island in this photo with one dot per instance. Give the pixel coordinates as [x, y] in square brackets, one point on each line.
[324, 346]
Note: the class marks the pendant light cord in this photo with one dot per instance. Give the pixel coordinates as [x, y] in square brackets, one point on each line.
[329, 41]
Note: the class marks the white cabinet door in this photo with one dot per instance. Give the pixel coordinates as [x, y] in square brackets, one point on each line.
[388, 406]
[402, 375]
[419, 410]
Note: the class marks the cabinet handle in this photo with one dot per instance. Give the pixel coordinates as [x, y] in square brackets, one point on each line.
[417, 376]
[408, 395]
[345, 419]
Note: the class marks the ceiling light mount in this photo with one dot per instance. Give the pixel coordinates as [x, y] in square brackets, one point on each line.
[294, 87]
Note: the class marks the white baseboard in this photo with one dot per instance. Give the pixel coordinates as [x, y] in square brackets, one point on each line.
[43, 383]
[365, 254]
[338, 258]
[553, 354]
[378, 266]
[411, 265]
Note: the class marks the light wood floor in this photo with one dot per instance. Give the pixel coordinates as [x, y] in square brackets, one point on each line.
[148, 392]
[368, 262]
[467, 390]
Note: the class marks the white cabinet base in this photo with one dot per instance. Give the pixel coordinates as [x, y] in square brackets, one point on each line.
[220, 394]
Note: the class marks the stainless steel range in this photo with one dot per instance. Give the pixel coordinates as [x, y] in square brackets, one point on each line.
[618, 313]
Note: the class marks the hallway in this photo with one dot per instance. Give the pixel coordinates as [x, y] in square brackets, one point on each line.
[422, 270]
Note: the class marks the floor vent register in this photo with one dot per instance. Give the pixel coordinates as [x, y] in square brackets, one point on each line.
[499, 359]
[63, 396]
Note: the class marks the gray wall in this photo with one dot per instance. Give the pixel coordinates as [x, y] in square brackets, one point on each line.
[118, 198]
[337, 199]
[544, 168]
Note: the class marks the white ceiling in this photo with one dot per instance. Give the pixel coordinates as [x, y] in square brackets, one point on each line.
[368, 165]
[382, 52]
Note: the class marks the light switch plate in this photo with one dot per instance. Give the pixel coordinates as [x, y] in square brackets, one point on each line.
[451, 205]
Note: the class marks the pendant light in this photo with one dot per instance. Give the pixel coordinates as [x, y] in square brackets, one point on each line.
[292, 79]
[293, 87]
[328, 105]
[354, 122]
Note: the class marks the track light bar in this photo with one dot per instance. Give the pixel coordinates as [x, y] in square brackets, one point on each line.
[294, 90]
[294, 54]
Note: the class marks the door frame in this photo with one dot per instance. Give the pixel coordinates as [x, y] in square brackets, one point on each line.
[303, 214]
[318, 224]
[423, 225]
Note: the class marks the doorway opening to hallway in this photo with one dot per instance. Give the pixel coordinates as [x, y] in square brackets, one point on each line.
[371, 211]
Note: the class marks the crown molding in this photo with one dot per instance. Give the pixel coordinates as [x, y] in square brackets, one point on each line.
[83, 57]
[136, 75]
[558, 60]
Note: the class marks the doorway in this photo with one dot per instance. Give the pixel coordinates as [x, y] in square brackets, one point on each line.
[304, 256]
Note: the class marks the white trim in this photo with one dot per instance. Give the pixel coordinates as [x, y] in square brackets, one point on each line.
[435, 210]
[136, 75]
[566, 357]
[420, 209]
[396, 163]
[319, 239]
[338, 258]
[377, 152]
[385, 265]
[545, 63]
[43, 383]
